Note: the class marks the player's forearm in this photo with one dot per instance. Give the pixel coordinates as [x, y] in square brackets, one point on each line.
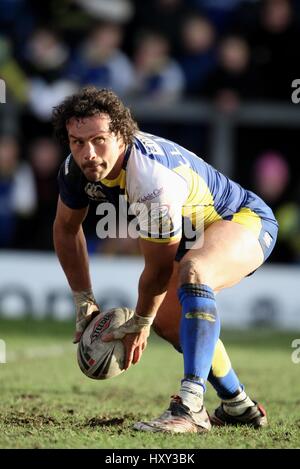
[153, 286]
[72, 253]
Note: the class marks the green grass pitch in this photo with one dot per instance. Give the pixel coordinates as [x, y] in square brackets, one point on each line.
[46, 402]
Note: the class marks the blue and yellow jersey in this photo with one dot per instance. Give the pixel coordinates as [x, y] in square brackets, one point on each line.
[171, 191]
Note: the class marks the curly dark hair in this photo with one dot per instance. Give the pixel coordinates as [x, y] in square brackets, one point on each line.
[91, 101]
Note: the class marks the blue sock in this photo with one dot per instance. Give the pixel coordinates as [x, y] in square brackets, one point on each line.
[227, 386]
[199, 330]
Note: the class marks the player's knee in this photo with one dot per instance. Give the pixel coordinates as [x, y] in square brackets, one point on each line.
[191, 271]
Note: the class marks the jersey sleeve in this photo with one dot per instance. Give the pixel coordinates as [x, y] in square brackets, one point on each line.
[71, 185]
[156, 197]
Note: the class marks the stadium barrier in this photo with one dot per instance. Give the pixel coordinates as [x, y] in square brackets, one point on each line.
[33, 284]
[222, 125]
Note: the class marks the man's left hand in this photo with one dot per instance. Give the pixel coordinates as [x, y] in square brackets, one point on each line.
[134, 345]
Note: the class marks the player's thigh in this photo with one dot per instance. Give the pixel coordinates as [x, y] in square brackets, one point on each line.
[227, 252]
[167, 320]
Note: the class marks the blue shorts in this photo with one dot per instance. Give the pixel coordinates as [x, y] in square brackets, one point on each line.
[254, 215]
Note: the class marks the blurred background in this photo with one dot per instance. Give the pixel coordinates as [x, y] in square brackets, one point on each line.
[217, 76]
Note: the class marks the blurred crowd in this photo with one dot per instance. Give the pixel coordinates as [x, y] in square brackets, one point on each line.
[225, 51]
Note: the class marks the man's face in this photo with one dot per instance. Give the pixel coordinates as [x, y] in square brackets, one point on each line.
[97, 151]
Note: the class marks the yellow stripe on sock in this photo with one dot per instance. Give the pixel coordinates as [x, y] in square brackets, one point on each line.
[221, 364]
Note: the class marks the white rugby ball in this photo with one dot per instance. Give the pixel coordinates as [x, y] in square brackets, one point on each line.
[98, 359]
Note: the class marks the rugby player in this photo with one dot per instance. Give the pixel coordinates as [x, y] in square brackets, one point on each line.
[168, 188]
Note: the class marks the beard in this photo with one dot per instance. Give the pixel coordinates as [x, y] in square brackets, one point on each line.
[94, 172]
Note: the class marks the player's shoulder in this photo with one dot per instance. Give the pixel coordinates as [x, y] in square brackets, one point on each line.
[147, 143]
[149, 172]
[72, 184]
[148, 159]
[164, 151]
[153, 145]
[69, 171]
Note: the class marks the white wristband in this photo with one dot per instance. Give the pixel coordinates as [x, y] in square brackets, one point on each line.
[84, 296]
[143, 320]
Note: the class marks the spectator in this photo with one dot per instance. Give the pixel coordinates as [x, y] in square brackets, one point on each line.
[158, 76]
[162, 16]
[17, 193]
[67, 18]
[220, 12]
[288, 216]
[11, 72]
[45, 59]
[198, 54]
[273, 38]
[45, 158]
[17, 20]
[119, 11]
[101, 62]
[271, 176]
[235, 79]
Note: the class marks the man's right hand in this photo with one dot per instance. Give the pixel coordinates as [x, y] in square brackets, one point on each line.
[86, 310]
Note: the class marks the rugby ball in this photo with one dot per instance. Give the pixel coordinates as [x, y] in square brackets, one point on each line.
[98, 359]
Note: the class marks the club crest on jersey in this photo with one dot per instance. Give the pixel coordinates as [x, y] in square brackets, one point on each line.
[94, 191]
[100, 326]
[159, 213]
[160, 217]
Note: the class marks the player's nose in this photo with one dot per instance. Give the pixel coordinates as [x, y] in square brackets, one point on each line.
[90, 153]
